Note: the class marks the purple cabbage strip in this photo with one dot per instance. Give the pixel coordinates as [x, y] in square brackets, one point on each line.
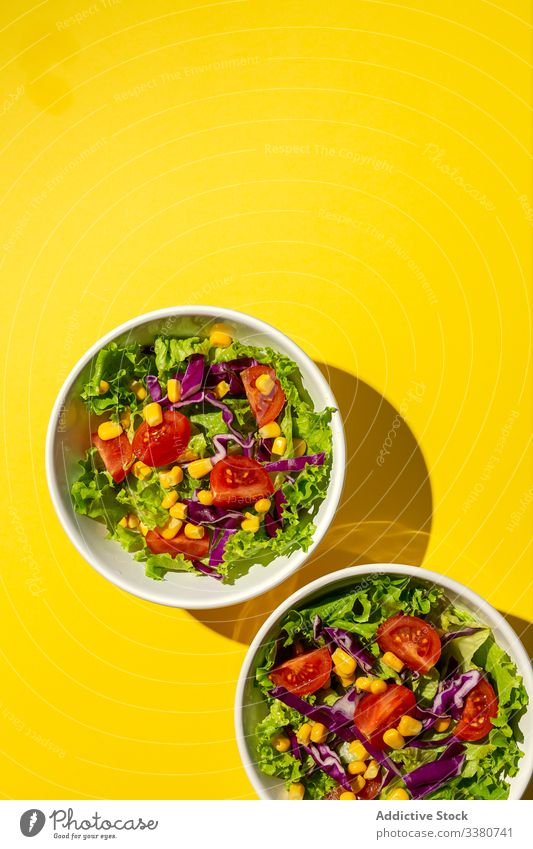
[220, 441]
[217, 552]
[453, 635]
[351, 645]
[329, 762]
[450, 697]
[154, 388]
[207, 570]
[230, 372]
[193, 377]
[264, 450]
[296, 464]
[279, 501]
[427, 778]
[271, 525]
[200, 514]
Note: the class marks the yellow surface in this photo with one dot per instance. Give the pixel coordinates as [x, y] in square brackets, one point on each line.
[355, 172]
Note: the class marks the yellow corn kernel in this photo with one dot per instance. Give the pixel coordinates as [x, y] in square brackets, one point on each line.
[280, 742]
[363, 684]
[442, 724]
[133, 521]
[172, 527]
[139, 390]
[378, 686]
[371, 771]
[141, 470]
[296, 792]
[103, 387]
[343, 662]
[153, 414]
[265, 384]
[409, 727]
[279, 446]
[263, 505]
[143, 529]
[394, 739]
[303, 734]
[390, 659]
[171, 478]
[178, 511]
[221, 389]
[251, 525]
[356, 767]
[299, 446]
[398, 795]
[194, 531]
[347, 796]
[270, 430]
[346, 681]
[205, 497]
[173, 390]
[124, 522]
[358, 751]
[199, 468]
[358, 783]
[219, 338]
[319, 733]
[125, 419]
[169, 500]
[109, 430]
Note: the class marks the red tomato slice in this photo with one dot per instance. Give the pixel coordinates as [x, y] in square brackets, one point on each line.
[481, 704]
[412, 640]
[265, 408]
[116, 454]
[237, 481]
[162, 444]
[371, 789]
[375, 714]
[305, 673]
[192, 549]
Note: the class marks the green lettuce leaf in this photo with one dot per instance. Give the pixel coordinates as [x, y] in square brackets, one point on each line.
[119, 365]
[170, 352]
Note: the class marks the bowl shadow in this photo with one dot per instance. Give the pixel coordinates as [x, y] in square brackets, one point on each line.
[385, 512]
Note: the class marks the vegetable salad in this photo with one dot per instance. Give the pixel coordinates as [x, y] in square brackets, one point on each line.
[207, 455]
[388, 691]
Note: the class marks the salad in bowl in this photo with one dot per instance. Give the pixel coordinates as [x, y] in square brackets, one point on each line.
[200, 453]
[386, 687]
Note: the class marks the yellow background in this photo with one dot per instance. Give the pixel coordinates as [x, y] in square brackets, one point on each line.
[356, 173]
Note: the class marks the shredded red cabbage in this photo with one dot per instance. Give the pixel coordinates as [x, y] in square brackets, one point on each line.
[450, 697]
[207, 570]
[193, 377]
[200, 514]
[427, 778]
[296, 464]
[154, 388]
[217, 552]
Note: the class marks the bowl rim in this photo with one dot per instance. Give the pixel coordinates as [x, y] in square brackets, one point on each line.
[330, 503]
[518, 654]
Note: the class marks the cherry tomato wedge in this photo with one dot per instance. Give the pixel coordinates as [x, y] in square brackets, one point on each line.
[116, 454]
[305, 673]
[412, 640]
[192, 549]
[162, 444]
[371, 788]
[237, 481]
[481, 704]
[265, 408]
[375, 714]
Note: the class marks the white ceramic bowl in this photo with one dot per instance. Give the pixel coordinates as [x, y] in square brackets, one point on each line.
[250, 707]
[69, 435]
